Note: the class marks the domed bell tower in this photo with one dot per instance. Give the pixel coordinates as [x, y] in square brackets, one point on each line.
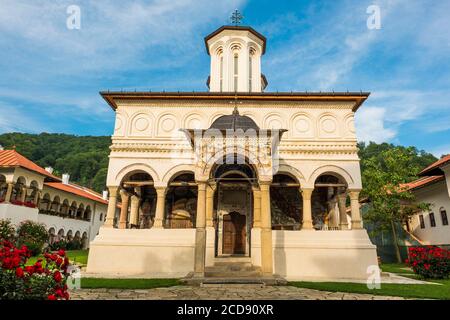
[236, 59]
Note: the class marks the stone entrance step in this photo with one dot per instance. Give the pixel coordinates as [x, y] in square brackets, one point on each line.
[232, 259]
[232, 267]
[193, 280]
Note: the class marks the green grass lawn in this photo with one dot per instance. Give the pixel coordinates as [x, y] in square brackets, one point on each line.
[399, 268]
[75, 256]
[95, 283]
[425, 291]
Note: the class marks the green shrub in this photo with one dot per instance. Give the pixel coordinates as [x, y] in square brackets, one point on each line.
[33, 235]
[7, 230]
[74, 245]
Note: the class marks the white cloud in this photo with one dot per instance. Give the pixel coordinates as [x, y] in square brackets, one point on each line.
[12, 120]
[370, 125]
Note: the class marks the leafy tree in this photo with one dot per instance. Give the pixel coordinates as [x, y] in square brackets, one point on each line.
[33, 235]
[7, 230]
[83, 157]
[383, 175]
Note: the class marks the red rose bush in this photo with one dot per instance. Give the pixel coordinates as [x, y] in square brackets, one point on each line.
[429, 262]
[44, 280]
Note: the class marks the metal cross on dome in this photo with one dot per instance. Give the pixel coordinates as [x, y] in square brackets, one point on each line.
[236, 17]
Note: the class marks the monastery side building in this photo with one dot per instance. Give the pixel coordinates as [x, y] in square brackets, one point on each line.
[214, 181]
[431, 227]
[30, 192]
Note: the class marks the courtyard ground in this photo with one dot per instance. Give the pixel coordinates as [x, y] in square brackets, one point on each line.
[221, 292]
[96, 288]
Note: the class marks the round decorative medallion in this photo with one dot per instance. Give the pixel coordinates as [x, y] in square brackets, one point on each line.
[168, 124]
[302, 125]
[194, 123]
[329, 124]
[141, 124]
[275, 124]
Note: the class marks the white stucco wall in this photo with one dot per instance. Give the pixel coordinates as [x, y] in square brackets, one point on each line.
[152, 253]
[322, 255]
[320, 138]
[437, 195]
[17, 214]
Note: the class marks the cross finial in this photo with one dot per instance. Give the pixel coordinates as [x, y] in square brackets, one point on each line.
[236, 17]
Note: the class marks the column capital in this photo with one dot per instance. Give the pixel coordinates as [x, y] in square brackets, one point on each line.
[306, 192]
[264, 185]
[161, 190]
[354, 194]
[123, 193]
[113, 190]
[134, 197]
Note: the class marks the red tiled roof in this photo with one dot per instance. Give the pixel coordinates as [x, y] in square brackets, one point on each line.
[77, 190]
[422, 182]
[436, 165]
[11, 158]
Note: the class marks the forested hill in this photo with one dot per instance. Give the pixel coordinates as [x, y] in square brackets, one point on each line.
[85, 158]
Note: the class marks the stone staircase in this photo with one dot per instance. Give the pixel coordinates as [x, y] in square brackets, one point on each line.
[233, 270]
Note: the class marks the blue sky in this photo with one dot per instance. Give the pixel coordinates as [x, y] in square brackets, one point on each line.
[50, 76]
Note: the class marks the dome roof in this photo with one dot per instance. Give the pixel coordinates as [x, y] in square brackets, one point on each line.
[234, 121]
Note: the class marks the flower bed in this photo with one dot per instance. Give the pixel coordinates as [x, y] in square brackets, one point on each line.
[29, 204]
[429, 262]
[45, 280]
[16, 202]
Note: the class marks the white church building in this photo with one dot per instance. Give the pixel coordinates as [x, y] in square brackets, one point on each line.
[234, 182]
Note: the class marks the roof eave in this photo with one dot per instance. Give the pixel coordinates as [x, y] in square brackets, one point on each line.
[357, 97]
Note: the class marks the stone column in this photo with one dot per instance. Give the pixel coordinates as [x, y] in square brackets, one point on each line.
[23, 193]
[356, 214]
[36, 197]
[160, 204]
[256, 207]
[112, 203]
[123, 209]
[9, 192]
[266, 230]
[307, 211]
[134, 210]
[210, 189]
[343, 223]
[200, 235]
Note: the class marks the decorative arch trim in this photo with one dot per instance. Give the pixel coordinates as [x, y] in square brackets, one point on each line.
[333, 170]
[179, 169]
[135, 167]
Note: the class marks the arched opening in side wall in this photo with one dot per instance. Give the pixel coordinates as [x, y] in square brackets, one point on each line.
[44, 204]
[51, 235]
[138, 187]
[181, 202]
[328, 213]
[18, 189]
[286, 203]
[3, 187]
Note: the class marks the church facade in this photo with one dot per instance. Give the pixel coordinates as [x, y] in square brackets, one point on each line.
[234, 176]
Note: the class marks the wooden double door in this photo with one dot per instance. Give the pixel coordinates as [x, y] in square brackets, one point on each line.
[234, 233]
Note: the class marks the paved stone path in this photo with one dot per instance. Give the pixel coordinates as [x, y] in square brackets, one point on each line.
[221, 292]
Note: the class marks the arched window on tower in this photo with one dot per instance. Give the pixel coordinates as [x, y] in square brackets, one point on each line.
[221, 72]
[236, 70]
[250, 70]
